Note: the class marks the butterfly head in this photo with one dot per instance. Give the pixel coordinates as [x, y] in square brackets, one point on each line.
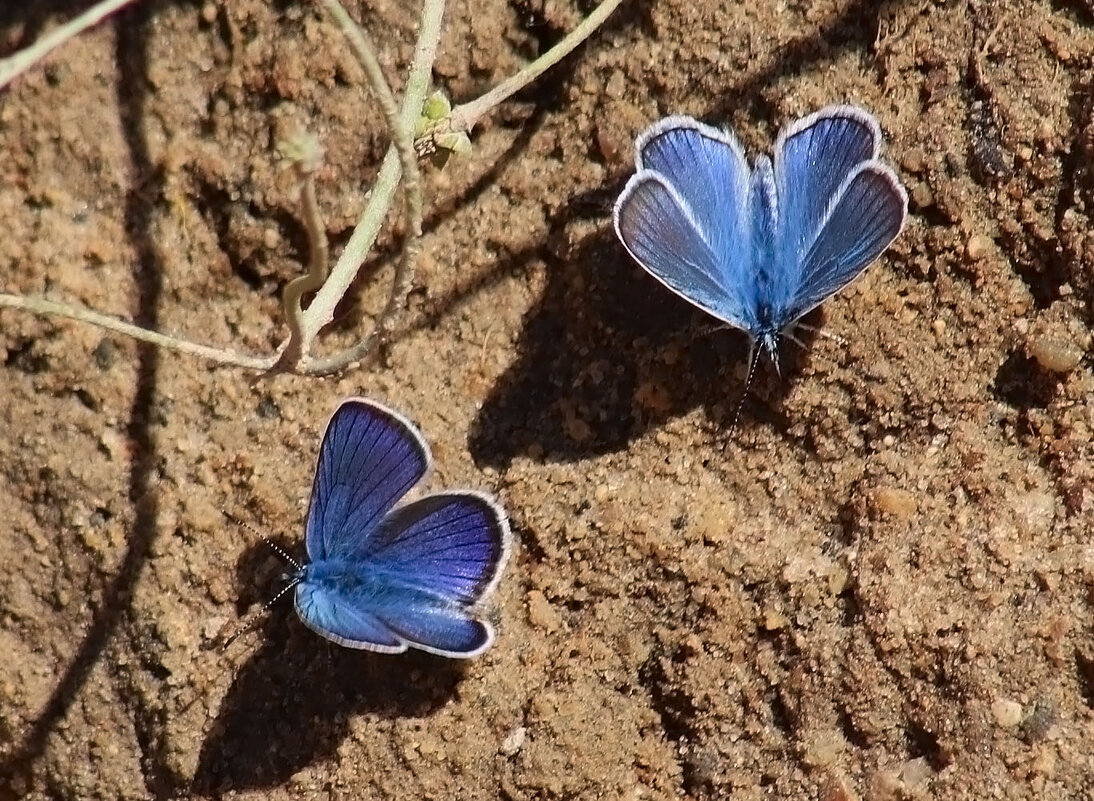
[768, 332]
[769, 341]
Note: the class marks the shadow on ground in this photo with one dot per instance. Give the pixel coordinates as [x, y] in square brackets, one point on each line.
[291, 704]
[607, 353]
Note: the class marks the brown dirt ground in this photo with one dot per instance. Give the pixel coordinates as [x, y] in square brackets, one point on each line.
[879, 587]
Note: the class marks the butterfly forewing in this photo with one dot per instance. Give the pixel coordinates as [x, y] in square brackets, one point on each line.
[370, 457]
[709, 172]
[813, 159]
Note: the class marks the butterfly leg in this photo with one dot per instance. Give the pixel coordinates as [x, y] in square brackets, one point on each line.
[812, 329]
[706, 331]
[790, 335]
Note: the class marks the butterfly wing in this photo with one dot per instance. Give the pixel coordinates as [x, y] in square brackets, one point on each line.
[839, 207]
[865, 218]
[387, 617]
[446, 551]
[683, 215]
[370, 457]
[415, 581]
[341, 618]
[450, 544]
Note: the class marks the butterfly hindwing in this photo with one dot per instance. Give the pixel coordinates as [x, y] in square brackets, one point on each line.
[447, 631]
[370, 457]
[451, 544]
[659, 231]
[863, 220]
[342, 618]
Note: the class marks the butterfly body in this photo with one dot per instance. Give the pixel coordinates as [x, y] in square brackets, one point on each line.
[367, 582]
[759, 247]
[383, 575]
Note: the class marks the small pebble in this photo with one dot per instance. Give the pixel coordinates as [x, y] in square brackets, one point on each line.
[1057, 354]
[1007, 713]
[512, 744]
[915, 772]
[914, 161]
[836, 788]
[1045, 762]
[1041, 719]
[613, 144]
[617, 85]
[894, 501]
[977, 247]
[105, 354]
[541, 614]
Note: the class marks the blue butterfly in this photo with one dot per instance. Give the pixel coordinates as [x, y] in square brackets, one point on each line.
[760, 248]
[384, 577]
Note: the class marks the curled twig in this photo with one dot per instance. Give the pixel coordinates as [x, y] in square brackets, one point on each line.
[400, 125]
[305, 153]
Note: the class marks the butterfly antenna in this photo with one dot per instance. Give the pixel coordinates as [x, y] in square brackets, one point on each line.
[277, 549]
[254, 617]
[753, 360]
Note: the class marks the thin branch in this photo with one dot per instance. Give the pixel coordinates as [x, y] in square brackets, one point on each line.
[306, 155]
[321, 310]
[464, 117]
[16, 64]
[402, 138]
[51, 308]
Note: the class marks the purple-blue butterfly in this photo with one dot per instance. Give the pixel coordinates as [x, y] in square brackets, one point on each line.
[758, 248]
[384, 576]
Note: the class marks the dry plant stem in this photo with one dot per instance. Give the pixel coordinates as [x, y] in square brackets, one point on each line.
[321, 310]
[16, 64]
[466, 116]
[317, 266]
[402, 139]
[50, 308]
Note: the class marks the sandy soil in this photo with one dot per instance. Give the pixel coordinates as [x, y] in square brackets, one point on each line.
[880, 586]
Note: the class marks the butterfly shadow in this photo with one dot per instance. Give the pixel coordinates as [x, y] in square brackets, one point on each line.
[293, 701]
[608, 353]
